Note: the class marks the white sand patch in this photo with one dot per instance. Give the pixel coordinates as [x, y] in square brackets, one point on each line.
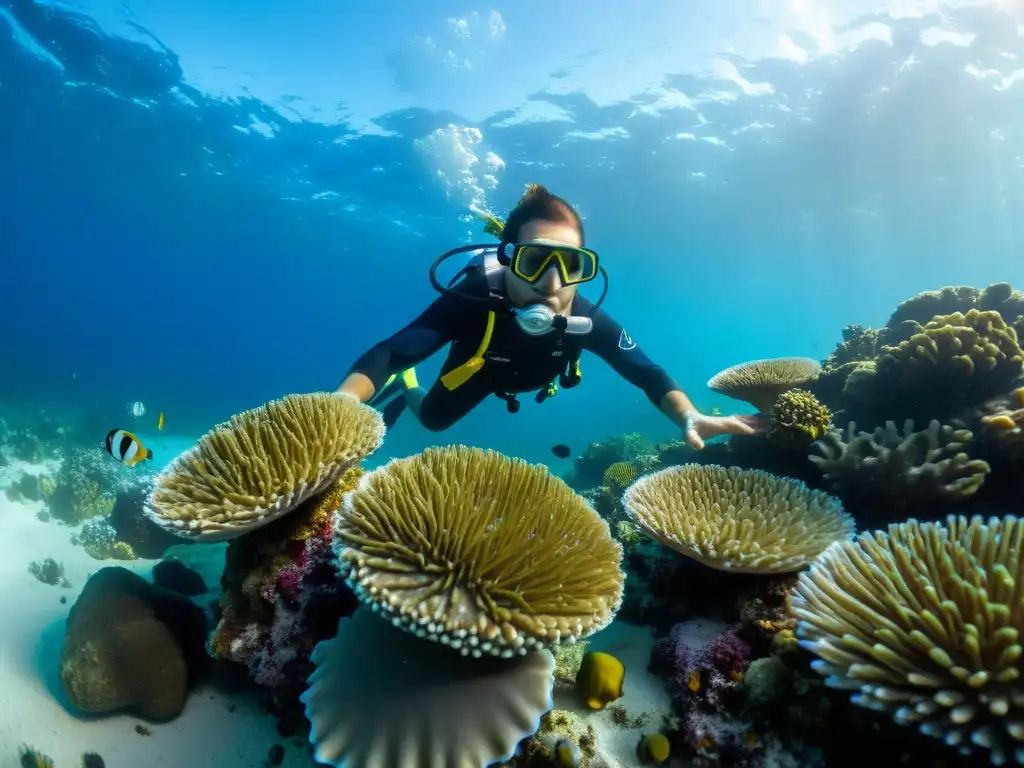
[217, 728]
[642, 694]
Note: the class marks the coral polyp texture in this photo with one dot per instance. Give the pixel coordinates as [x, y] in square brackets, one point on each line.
[897, 469]
[1006, 424]
[924, 622]
[262, 464]
[975, 353]
[760, 382]
[472, 549]
[798, 419]
[737, 519]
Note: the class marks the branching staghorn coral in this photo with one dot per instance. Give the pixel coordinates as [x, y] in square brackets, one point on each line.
[890, 470]
[262, 464]
[490, 555]
[737, 519]
[924, 622]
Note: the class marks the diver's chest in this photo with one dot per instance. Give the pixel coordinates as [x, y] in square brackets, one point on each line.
[510, 345]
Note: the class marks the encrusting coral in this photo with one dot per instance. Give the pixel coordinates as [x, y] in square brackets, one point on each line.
[281, 593]
[797, 419]
[262, 464]
[886, 471]
[924, 621]
[435, 542]
[735, 519]
[760, 382]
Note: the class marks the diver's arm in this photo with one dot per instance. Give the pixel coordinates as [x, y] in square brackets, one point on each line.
[612, 344]
[410, 346]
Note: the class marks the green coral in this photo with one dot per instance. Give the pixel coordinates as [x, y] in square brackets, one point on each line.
[75, 503]
[797, 419]
[969, 356]
[628, 533]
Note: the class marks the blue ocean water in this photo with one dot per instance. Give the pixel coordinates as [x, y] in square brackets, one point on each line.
[205, 206]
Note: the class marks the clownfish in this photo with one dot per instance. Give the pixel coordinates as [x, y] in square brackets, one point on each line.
[125, 447]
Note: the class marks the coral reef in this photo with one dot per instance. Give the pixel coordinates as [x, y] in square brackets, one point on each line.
[131, 645]
[760, 382]
[883, 474]
[87, 484]
[291, 449]
[589, 469]
[131, 525]
[859, 344]
[424, 537]
[99, 539]
[797, 419]
[737, 520]
[281, 594]
[923, 622]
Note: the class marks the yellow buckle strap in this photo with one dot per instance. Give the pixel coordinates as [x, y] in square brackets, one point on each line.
[456, 377]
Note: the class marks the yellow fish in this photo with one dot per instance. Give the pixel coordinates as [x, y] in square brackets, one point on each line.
[126, 447]
[160, 421]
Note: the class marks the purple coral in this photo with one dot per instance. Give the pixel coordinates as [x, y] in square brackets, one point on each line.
[705, 661]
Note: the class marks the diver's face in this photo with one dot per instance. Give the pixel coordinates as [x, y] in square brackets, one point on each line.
[548, 289]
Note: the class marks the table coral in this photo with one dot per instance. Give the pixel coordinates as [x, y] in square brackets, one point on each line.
[884, 472]
[281, 594]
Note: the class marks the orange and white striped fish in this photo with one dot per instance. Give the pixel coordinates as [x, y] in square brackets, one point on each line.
[126, 447]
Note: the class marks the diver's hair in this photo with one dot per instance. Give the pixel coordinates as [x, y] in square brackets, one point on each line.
[539, 204]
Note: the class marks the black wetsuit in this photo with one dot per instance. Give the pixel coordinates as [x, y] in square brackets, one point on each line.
[515, 362]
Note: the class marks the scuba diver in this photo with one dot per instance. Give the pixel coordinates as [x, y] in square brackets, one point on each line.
[516, 324]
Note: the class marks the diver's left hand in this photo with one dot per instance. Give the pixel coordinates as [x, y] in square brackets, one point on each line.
[700, 427]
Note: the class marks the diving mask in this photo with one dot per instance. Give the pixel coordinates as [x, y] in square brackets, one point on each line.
[531, 260]
[538, 319]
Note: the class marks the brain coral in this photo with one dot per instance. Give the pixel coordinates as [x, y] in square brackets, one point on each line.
[262, 464]
[924, 622]
[737, 519]
[475, 550]
[797, 419]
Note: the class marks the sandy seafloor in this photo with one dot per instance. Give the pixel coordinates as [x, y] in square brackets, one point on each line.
[220, 726]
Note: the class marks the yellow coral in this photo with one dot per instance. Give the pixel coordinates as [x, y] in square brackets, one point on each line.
[956, 347]
[620, 474]
[797, 418]
[599, 681]
[736, 519]
[925, 621]
[122, 550]
[479, 551]
[263, 464]
[760, 382]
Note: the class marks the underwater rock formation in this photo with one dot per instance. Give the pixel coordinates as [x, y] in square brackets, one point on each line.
[281, 594]
[132, 527]
[131, 645]
[880, 475]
